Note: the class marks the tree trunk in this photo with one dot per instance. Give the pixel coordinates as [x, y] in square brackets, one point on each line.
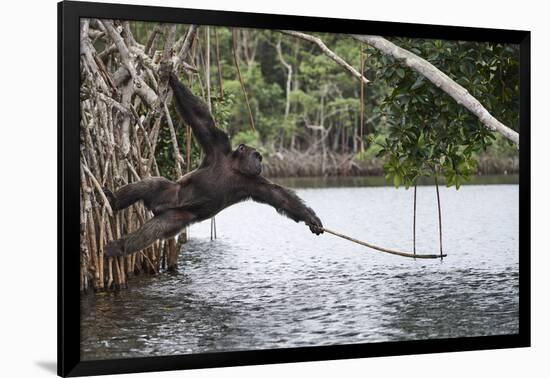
[172, 255]
[288, 68]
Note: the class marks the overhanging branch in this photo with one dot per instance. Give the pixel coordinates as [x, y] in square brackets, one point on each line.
[328, 52]
[441, 80]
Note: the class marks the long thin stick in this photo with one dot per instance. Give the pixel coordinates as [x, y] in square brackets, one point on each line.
[381, 249]
[99, 189]
[362, 100]
[213, 234]
[218, 63]
[439, 212]
[207, 69]
[251, 119]
[414, 222]
[209, 103]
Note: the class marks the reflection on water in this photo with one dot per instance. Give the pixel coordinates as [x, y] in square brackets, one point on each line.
[267, 282]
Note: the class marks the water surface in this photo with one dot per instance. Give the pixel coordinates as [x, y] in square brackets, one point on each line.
[267, 282]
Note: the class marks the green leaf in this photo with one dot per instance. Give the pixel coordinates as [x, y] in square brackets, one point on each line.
[400, 72]
[396, 181]
[418, 83]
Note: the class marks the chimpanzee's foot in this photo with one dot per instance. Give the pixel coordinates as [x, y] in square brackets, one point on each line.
[110, 197]
[114, 248]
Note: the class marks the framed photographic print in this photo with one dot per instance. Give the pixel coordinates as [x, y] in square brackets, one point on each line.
[395, 156]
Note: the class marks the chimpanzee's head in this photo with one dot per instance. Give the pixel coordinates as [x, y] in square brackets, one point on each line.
[247, 160]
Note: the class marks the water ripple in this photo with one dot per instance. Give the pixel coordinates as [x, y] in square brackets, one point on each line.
[275, 285]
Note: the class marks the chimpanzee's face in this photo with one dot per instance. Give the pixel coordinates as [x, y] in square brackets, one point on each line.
[248, 160]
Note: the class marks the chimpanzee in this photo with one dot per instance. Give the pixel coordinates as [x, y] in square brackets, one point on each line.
[223, 178]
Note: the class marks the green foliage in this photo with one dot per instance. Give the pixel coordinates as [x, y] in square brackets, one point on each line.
[222, 108]
[373, 146]
[303, 102]
[428, 132]
[248, 137]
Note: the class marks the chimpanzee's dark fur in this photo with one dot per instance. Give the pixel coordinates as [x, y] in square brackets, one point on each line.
[224, 178]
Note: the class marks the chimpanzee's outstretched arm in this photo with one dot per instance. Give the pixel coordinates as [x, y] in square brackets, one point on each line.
[196, 114]
[286, 202]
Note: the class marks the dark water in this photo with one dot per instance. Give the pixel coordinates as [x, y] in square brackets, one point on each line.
[267, 282]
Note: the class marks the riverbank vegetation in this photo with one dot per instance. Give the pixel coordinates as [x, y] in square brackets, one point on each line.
[313, 104]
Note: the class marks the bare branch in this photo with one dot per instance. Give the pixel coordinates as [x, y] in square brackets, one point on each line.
[151, 40]
[328, 52]
[182, 54]
[165, 66]
[115, 104]
[88, 52]
[141, 88]
[99, 189]
[288, 68]
[174, 140]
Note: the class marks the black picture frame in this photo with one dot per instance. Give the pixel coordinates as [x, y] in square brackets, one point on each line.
[69, 14]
